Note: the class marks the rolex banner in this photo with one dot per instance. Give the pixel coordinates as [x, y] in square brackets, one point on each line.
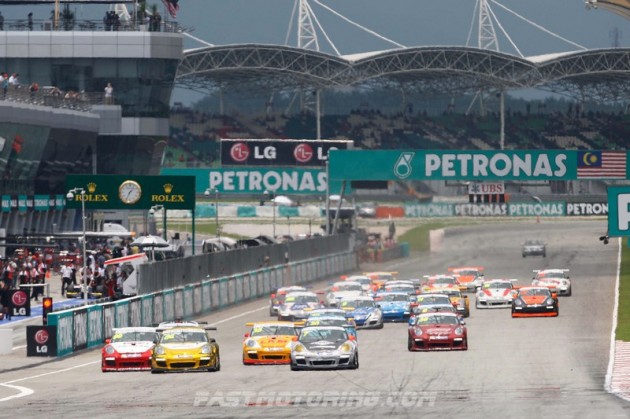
[130, 192]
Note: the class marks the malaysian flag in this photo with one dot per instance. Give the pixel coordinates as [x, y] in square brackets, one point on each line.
[172, 6]
[601, 165]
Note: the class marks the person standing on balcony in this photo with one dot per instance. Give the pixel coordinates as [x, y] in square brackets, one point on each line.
[109, 94]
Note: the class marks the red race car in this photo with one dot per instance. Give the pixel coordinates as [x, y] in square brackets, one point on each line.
[535, 302]
[437, 331]
[129, 349]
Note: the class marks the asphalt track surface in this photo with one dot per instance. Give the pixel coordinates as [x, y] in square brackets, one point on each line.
[515, 368]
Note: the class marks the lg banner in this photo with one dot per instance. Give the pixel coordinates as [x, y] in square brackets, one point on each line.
[239, 152]
[21, 303]
[41, 340]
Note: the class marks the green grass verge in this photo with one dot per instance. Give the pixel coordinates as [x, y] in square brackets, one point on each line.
[623, 311]
[418, 237]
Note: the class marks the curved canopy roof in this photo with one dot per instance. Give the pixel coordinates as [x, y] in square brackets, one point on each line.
[602, 74]
[621, 7]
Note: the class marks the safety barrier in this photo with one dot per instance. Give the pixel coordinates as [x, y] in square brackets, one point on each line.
[87, 327]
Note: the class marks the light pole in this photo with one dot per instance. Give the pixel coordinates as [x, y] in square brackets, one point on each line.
[152, 211]
[215, 191]
[71, 195]
[272, 196]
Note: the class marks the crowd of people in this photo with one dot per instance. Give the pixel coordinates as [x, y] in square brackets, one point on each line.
[31, 269]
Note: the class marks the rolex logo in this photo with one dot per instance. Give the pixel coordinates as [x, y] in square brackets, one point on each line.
[168, 188]
[91, 187]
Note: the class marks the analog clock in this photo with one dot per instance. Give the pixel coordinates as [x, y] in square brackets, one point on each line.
[129, 192]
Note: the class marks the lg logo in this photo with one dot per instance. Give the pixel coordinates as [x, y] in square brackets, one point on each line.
[41, 337]
[303, 153]
[19, 298]
[239, 152]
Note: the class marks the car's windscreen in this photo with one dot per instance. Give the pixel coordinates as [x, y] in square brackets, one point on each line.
[358, 303]
[433, 299]
[350, 287]
[535, 292]
[498, 285]
[316, 334]
[324, 313]
[327, 322]
[273, 330]
[181, 336]
[134, 337]
[436, 319]
[393, 297]
[445, 280]
[300, 299]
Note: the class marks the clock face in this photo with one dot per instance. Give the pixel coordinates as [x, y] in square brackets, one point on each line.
[129, 192]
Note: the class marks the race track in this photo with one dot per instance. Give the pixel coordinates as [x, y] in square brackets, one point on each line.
[515, 368]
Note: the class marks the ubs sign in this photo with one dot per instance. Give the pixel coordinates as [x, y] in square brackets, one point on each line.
[306, 153]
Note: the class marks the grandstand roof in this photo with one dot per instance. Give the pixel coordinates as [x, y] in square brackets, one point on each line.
[621, 7]
[602, 74]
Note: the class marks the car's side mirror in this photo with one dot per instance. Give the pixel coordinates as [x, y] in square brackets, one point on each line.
[246, 335]
[212, 340]
[352, 337]
[294, 338]
[155, 341]
[108, 341]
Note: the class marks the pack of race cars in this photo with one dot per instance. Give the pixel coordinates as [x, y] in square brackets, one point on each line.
[313, 332]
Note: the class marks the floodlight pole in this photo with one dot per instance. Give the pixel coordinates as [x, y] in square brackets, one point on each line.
[72, 194]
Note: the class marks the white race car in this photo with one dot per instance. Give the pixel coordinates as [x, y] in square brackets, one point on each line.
[557, 280]
[495, 293]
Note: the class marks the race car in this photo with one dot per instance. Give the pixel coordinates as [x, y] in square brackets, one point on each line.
[324, 347]
[396, 306]
[342, 289]
[346, 323]
[433, 308]
[379, 278]
[557, 280]
[296, 305]
[496, 293]
[129, 349]
[459, 300]
[469, 277]
[535, 302]
[399, 286]
[534, 248]
[437, 331]
[185, 348]
[364, 280]
[435, 282]
[269, 343]
[364, 311]
[277, 297]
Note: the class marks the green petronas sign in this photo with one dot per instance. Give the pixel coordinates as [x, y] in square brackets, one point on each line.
[477, 165]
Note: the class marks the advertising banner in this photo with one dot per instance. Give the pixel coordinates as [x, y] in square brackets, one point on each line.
[21, 303]
[586, 209]
[295, 153]
[79, 337]
[41, 340]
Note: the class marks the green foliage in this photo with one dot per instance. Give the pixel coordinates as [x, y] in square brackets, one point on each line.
[623, 312]
[418, 237]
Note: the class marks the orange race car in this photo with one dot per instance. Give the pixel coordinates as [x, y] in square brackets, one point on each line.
[535, 302]
[269, 342]
[469, 277]
[379, 278]
[437, 282]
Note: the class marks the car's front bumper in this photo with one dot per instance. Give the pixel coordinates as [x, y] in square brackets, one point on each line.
[126, 362]
[428, 344]
[535, 311]
[193, 362]
[492, 303]
[368, 323]
[315, 361]
[267, 356]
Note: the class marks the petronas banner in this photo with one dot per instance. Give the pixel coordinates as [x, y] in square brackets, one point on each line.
[477, 165]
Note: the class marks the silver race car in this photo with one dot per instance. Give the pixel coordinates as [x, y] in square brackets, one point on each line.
[324, 347]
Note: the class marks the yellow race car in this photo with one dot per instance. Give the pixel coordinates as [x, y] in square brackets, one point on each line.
[460, 301]
[269, 342]
[185, 347]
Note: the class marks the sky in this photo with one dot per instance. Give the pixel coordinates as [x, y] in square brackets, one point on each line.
[407, 22]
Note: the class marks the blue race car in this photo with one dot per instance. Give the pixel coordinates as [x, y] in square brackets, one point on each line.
[364, 311]
[396, 306]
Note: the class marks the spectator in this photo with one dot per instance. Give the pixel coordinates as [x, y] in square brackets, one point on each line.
[33, 88]
[109, 94]
[1, 22]
[30, 21]
[5, 84]
[5, 301]
[66, 278]
[14, 80]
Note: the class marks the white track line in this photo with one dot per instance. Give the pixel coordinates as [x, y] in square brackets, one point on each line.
[611, 355]
[24, 391]
[241, 315]
[15, 348]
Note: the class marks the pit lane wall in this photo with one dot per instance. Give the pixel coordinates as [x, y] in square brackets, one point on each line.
[88, 327]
